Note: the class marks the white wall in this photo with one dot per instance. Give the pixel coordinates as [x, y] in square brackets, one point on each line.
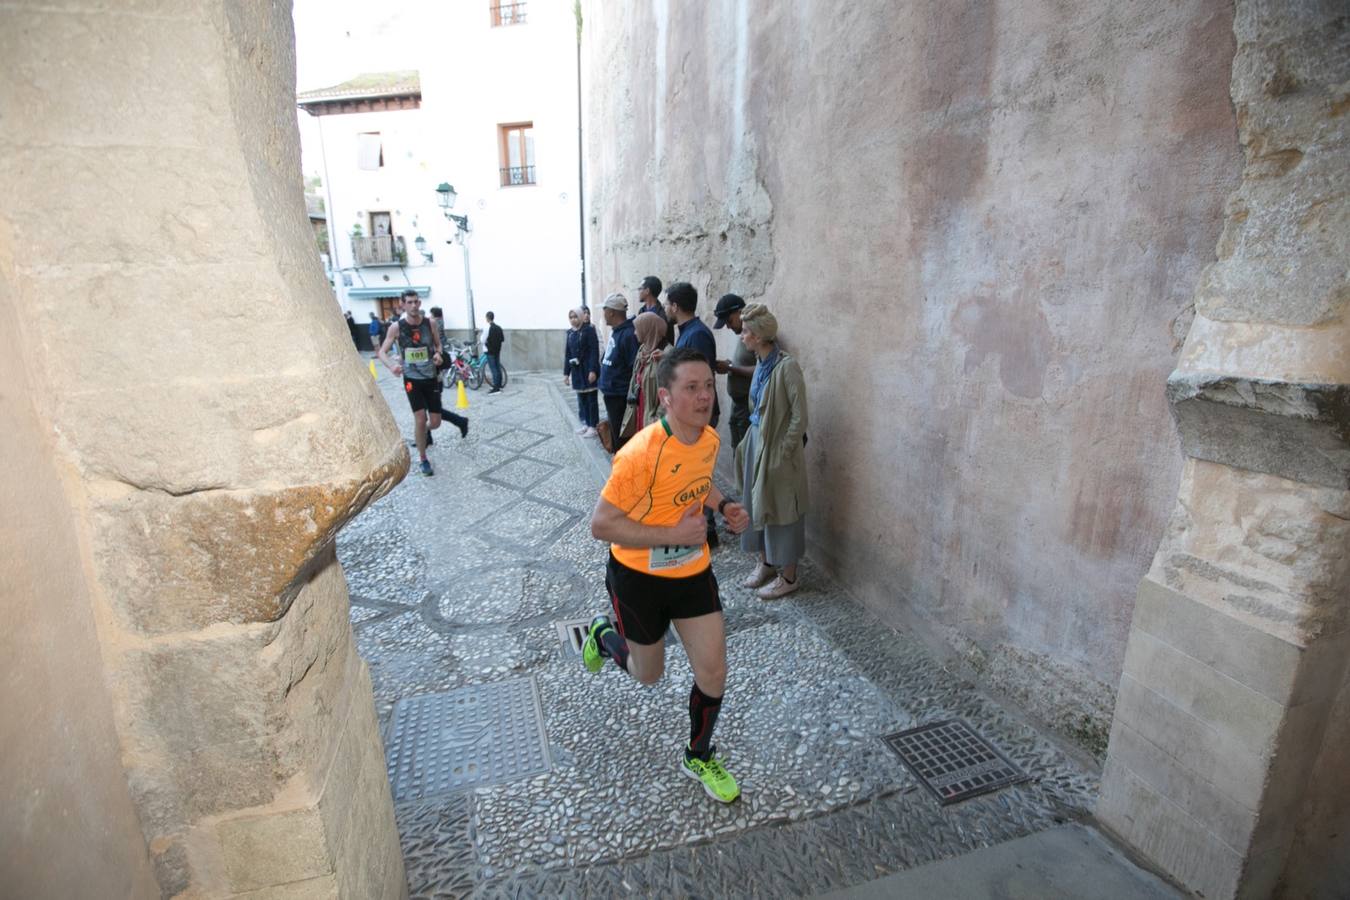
[525, 244]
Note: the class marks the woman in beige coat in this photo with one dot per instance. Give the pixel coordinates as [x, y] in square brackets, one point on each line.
[770, 460]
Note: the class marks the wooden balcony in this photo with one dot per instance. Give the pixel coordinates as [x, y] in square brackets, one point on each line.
[381, 250]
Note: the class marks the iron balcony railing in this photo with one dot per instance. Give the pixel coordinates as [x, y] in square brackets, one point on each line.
[380, 250]
[517, 175]
[508, 13]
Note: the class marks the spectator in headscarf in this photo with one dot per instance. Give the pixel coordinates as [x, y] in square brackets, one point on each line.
[770, 461]
[581, 369]
[643, 405]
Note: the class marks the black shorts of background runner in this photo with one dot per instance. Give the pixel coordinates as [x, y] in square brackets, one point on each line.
[644, 604]
[424, 393]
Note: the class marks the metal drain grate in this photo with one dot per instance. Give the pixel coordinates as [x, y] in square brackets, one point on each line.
[953, 761]
[572, 634]
[476, 735]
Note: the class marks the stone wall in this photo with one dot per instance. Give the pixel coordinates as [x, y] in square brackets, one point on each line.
[1227, 762]
[61, 781]
[981, 228]
[196, 463]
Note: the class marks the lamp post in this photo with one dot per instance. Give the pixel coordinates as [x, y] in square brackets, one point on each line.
[445, 196]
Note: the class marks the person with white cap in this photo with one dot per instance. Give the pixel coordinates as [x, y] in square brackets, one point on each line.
[616, 370]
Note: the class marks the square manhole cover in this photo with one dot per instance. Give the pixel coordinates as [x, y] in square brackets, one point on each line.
[475, 735]
[953, 761]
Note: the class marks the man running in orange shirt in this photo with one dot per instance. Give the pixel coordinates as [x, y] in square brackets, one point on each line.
[660, 569]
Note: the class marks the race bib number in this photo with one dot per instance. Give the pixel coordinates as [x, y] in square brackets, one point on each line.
[417, 355]
[671, 557]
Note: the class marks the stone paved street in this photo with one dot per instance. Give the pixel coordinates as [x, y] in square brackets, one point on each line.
[458, 580]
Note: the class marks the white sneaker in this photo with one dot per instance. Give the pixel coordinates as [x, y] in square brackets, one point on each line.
[760, 576]
[581, 430]
[778, 588]
[588, 432]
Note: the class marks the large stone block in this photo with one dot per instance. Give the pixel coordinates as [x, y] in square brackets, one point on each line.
[1235, 712]
[1265, 550]
[1296, 431]
[1182, 846]
[182, 563]
[1248, 655]
[1231, 822]
[189, 695]
[275, 848]
[325, 887]
[1237, 771]
[166, 94]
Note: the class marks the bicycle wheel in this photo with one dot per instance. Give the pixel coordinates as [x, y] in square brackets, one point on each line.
[504, 378]
[476, 377]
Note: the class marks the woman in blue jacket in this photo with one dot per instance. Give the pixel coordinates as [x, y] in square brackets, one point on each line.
[581, 368]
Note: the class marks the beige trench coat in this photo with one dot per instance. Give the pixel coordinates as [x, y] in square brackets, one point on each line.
[778, 491]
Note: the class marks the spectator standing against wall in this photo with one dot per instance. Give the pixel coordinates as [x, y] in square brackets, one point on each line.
[616, 369]
[649, 296]
[493, 345]
[739, 369]
[770, 462]
[644, 402]
[376, 332]
[581, 370]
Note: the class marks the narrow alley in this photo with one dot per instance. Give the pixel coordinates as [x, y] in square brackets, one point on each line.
[517, 773]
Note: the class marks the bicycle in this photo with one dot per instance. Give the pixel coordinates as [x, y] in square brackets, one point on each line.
[478, 366]
[459, 369]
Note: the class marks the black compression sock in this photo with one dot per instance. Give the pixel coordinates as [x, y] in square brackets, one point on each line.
[615, 647]
[703, 712]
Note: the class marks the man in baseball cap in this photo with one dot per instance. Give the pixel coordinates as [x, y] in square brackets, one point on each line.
[616, 369]
[739, 369]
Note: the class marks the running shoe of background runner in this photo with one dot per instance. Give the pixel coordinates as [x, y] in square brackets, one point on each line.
[426, 467]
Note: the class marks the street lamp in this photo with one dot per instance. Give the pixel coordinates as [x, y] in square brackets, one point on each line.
[445, 197]
[421, 244]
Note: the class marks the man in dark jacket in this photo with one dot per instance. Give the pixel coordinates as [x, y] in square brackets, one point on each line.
[649, 294]
[495, 337]
[616, 370]
[694, 335]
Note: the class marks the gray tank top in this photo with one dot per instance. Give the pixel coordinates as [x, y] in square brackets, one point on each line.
[416, 348]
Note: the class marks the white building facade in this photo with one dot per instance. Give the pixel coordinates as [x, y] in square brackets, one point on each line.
[493, 111]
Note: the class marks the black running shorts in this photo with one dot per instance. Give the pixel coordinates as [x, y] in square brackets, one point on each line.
[424, 393]
[644, 604]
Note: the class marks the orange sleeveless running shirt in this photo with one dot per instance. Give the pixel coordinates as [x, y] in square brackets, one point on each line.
[654, 479]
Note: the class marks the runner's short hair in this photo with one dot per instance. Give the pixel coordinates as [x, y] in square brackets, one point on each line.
[410, 294]
[665, 373]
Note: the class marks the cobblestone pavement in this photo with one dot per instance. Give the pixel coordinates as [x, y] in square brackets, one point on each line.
[459, 579]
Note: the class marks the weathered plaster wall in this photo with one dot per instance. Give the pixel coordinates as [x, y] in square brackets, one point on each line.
[194, 386]
[981, 226]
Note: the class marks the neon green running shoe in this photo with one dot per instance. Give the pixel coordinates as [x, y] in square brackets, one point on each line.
[717, 781]
[591, 653]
